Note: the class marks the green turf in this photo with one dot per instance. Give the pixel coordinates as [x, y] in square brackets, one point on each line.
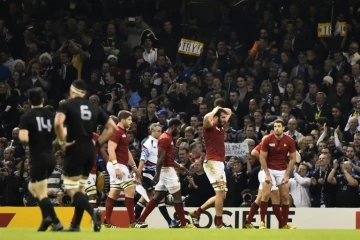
[177, 234]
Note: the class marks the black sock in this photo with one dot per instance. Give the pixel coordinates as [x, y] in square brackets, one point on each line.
[46, 203]
[79, 212]
[44, 208]
[81, 202]
[139, 207]
[164, 212]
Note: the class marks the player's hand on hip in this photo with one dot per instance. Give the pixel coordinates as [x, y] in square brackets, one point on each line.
[118, 174]
[137, 173]
[67, 144]
[156, 178]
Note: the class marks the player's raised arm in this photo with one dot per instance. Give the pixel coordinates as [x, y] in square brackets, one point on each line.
[208, 118]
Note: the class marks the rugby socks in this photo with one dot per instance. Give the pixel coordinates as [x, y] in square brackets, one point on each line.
[49, 209]
[199, 211]
[43, 210]
[285, 213]
[164, 212]
[109, 206]
[277, 212]
[81, 203]
[149, 208]
[129, 204]
[253, 209]
[179, 208]
[218, 220]
[263, 210]
[139, 207]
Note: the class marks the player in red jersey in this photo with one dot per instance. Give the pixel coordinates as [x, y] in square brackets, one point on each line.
[90, 186]
[166, 176]
[119, 159]
[273, 159]
[213, 133]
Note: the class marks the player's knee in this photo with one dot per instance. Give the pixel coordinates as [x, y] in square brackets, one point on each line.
[285, 198]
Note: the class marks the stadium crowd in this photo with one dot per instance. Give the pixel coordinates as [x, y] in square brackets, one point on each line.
[262, 59]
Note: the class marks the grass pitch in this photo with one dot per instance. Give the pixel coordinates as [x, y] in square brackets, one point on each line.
[179, 234]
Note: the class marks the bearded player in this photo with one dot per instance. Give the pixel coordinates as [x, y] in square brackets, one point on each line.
[166, 176]
[275, 196]
[90, 186]
[213, 133]
[273, 159]
[119, 159]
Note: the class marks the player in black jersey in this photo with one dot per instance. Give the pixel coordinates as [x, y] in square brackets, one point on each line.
[81, 118]
[36, 128]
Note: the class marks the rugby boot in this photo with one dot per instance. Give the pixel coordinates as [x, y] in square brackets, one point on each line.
[262, 225]
[288, 226]
[72, 228]
[248, 225]
[194, 218]
[97, 220]
[174, 224]
[45, 224]
[57, 227]
[188, 226]
[223, 226]
[139, 224]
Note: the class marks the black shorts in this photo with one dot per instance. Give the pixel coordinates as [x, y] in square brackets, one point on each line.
[42, 165]
[147, 182]
[79, 159]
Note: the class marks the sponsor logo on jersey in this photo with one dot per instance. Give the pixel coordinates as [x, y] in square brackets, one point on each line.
[272, 144]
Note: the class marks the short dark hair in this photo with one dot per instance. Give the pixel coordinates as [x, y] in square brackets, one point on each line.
[80, 84]
[124, 115]
[36, 96]
[174, 122]
[279, 121]
[220, 102]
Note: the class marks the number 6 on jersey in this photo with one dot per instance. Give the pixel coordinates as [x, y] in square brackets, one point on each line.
[85, 112]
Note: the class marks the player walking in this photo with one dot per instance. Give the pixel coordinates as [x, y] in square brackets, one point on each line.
[166, 177]
[90, 186]
[274, 195]
[273, 159]
[213, 132]
[36, 128]
[120, 157]
[147, 168]
[81, 119]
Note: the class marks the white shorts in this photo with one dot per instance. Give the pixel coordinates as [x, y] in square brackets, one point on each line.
[276, 176]
[215, 171]
[126, 177]
[91, 181]
[261, 177]
[168, 181]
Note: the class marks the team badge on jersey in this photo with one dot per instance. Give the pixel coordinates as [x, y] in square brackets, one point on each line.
[284, 144]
